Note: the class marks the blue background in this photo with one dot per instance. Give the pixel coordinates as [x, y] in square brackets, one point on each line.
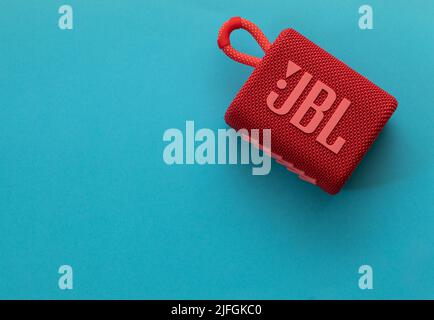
[83, 182]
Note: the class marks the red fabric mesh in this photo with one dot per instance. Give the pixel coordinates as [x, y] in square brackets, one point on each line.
[253, 29]
[241, 57]
[370, 109]
[256, 33]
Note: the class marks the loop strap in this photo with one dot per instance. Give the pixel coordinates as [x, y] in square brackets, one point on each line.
[224, 42]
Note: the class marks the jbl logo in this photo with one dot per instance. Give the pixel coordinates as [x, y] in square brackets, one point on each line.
[310, 103]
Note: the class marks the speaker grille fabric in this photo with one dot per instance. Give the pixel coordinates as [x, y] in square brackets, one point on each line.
[370, 109]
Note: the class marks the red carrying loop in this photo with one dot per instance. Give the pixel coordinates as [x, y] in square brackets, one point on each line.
[224, 42]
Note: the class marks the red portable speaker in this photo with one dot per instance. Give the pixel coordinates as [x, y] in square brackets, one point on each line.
[323, 115]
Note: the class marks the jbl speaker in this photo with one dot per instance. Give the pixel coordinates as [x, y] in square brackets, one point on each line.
[323, 115]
